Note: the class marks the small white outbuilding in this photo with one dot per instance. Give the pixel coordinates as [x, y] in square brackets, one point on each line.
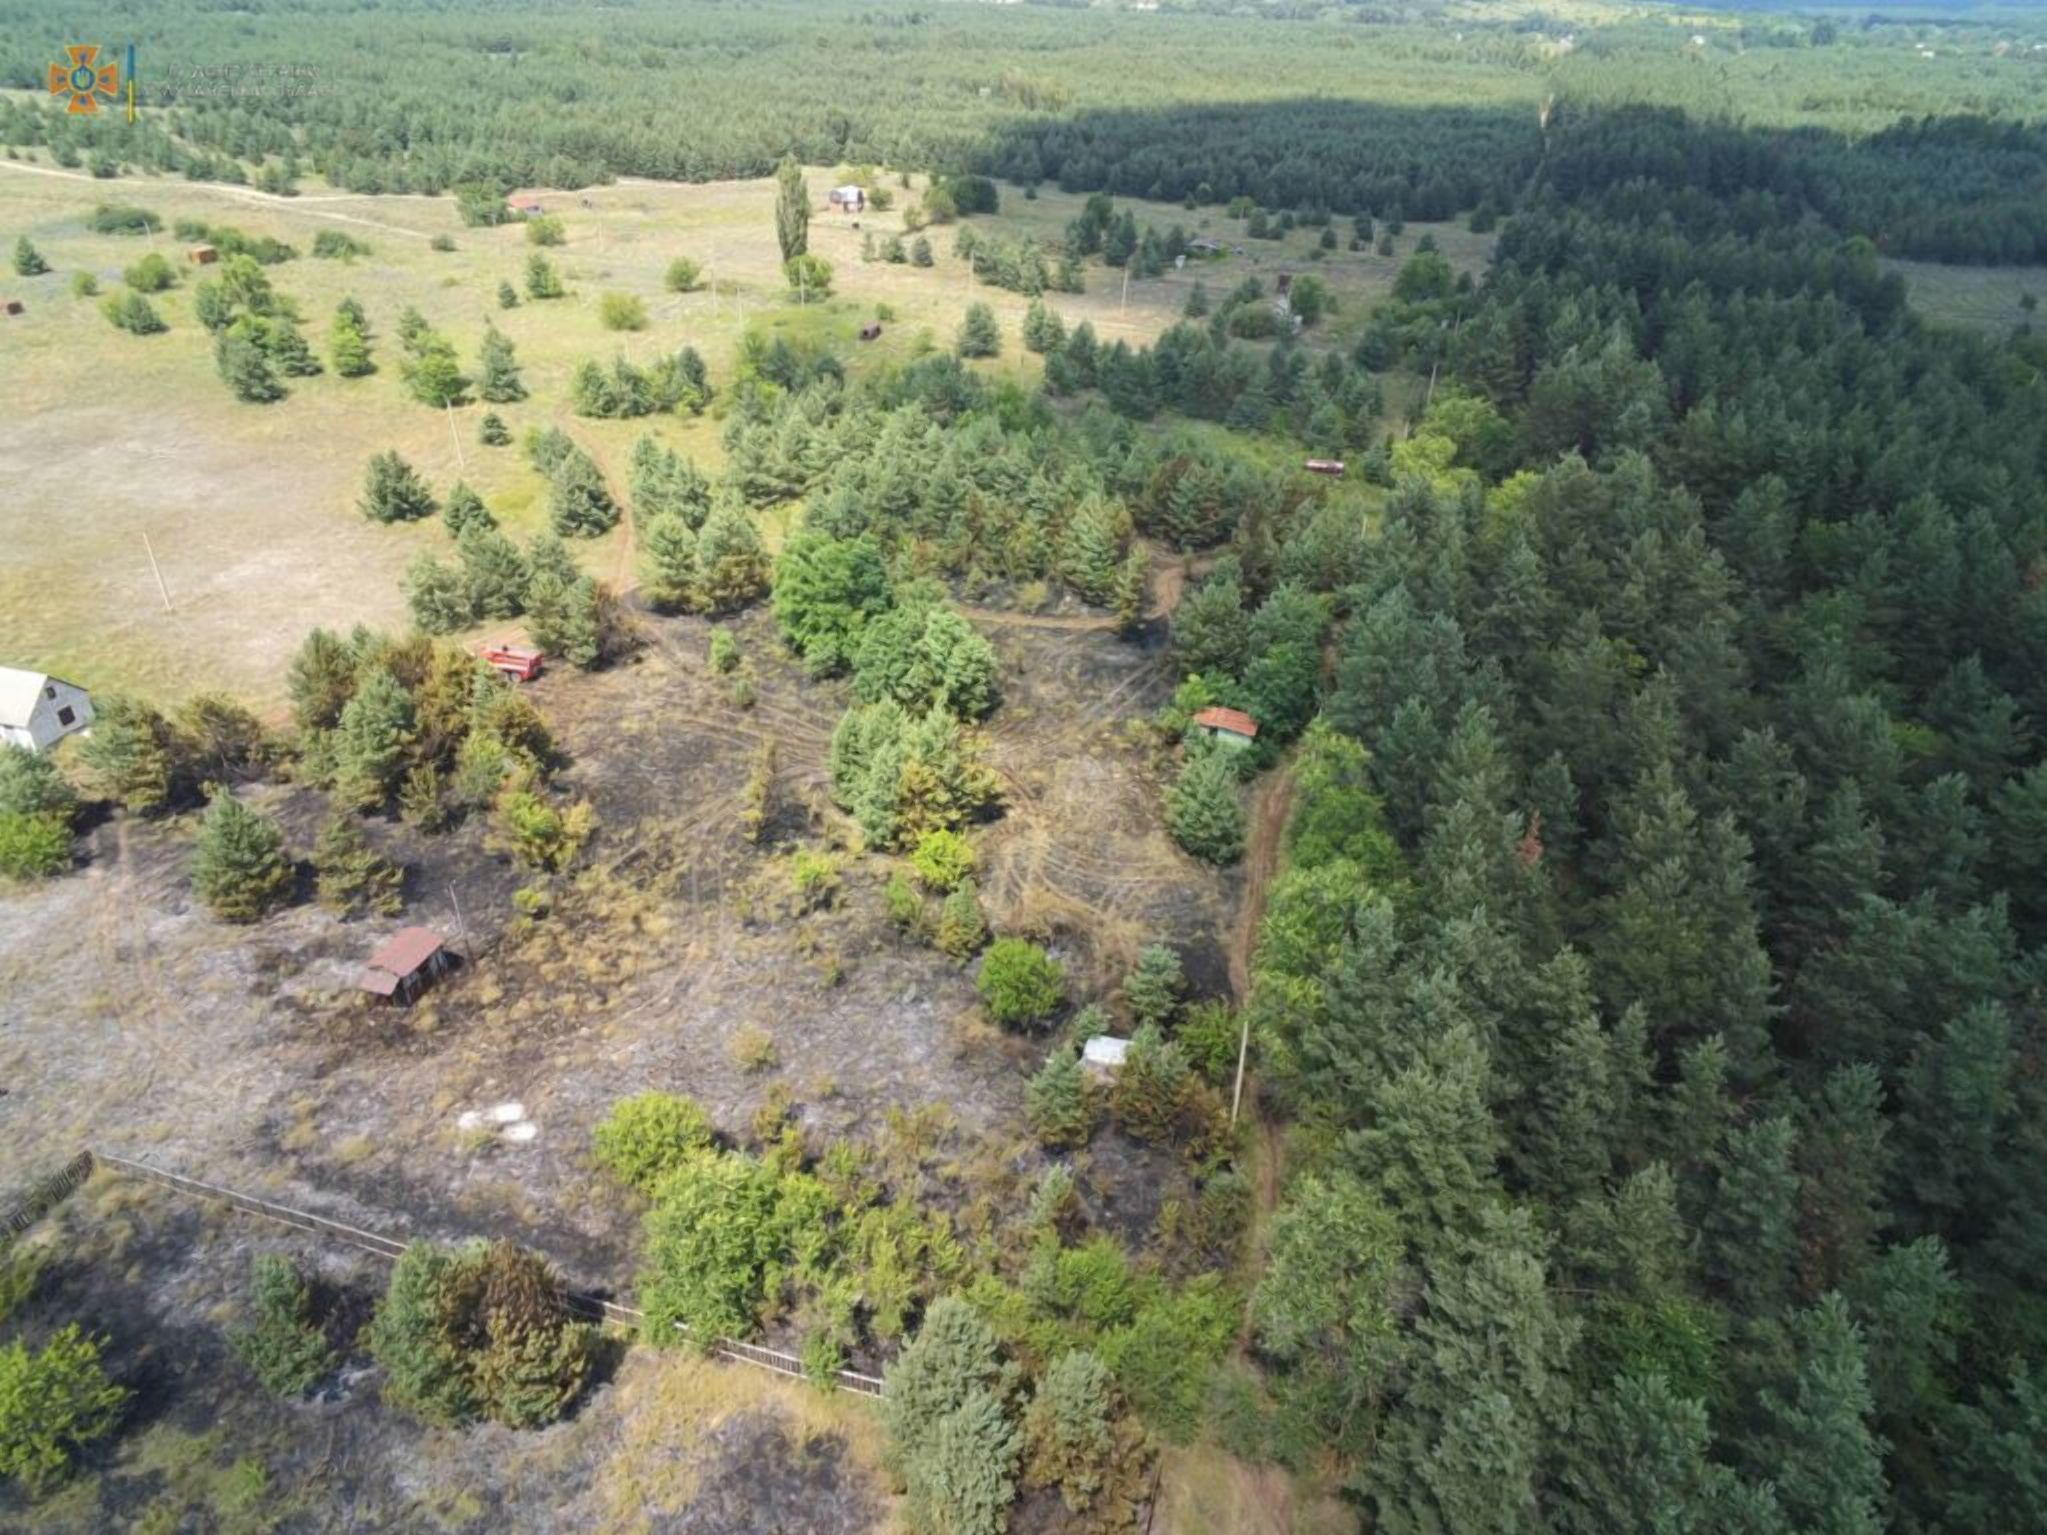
[1104, 1055]
[38, 711]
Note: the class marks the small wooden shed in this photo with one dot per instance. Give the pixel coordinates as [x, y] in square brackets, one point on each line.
[849, 199]
[1232, 727]
[202, 255]
[405, 964]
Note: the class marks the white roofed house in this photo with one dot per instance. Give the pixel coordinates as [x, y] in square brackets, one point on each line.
[38, 711]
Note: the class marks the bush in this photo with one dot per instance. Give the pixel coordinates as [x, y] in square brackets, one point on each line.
[239, 867]
[716, 1239]
[649, 1135]
[134, 314]
[905, 905]
[121, 219]
[545, 230]
[52, 1403]
[1068, 1425]
[1019, 982]
[394, 492]
[281, 1343]
[943, 859]
[622, 311]
[33, 846]
[683, 276]
[84, 284]
[809, 277]
[152, 274]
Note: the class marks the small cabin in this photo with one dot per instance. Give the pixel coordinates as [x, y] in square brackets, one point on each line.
[37, 711]
[871, 331]
[202, 255]
[526, 207]
[1104, 1055]
[1329, 466]
[519, 662]
[849, 199]
[405, 964]
[1232, 727]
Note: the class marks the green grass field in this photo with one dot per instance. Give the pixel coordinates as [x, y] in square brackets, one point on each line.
[1984, 298]
[128, 444]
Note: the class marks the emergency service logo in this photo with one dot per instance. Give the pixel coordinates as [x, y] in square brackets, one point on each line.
[85, 79]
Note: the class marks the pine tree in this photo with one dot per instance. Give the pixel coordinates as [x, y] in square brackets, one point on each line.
[792, 209]
[1211, 631]
[1089, 546]
[133, 756]
[1068, 1426]
[352, 875]
[1812, 1438]
[246, 370]
[1058, 1102]
[1202, 809]
[1042, 328]
[493, 572]
[436, 595]
[348, 342]
[497, 369]
[668, 563]
[961, 927]
[239, 867]
[394, 492]
[1131, 590]
[373, 739]
[463, 510]
[542, 281]
[508, 296]
[979, 335]
[732, 559]
[579, 503]
[1751, 1229]
[28, 261]
[492, 431]
[433, 373]
[1153, 990]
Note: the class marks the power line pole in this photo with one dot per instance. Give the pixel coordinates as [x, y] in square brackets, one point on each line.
[162, 590]
[462, 927]
[455, 436]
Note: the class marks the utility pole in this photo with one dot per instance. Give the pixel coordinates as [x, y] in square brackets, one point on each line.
[1123, 304]
[460, 462]
[1243, 1050]
[462, 927]
[162, 590]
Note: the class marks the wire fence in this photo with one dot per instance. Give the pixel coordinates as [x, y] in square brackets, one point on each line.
[46, 1195]
[597, 1308]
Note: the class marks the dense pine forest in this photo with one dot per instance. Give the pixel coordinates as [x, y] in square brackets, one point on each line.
[1926, 138]
[1650, 1011]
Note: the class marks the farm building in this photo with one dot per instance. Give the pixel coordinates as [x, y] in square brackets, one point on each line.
[202, 255]
[525, 206]
[405, 964]
[1103, 1056]
[1232, 727]
[849, 199]
[37, 711]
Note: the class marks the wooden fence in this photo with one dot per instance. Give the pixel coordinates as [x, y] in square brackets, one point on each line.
[46, 1195]
[596, 1307]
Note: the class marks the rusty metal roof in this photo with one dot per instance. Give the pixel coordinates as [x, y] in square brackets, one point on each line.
[1235, 721]
[405, 951]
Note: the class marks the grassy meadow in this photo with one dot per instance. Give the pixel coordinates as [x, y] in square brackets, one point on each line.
[127, 444]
